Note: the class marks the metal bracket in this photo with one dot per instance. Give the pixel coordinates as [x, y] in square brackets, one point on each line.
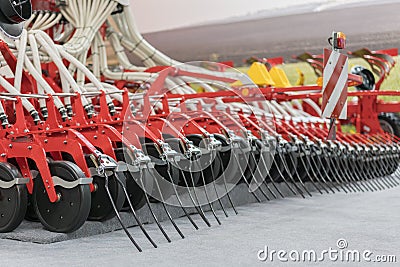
[16, 181]
[69, 185]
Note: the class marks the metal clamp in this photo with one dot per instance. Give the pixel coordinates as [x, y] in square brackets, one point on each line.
[16, 181]
[57, 181]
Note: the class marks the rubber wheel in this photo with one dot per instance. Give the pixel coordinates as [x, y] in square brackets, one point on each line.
[210, 171]
[101, 207]
[30, 214]
[13, 201]
[162, 169]
[135, 192]
[390, 123]
[185, 177]
[71, 211]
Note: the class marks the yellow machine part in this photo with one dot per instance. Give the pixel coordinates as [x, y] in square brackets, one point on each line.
[300, 80]
[259, 74]
[279, 77]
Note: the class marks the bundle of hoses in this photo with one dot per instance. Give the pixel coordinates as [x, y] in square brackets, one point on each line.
[82, 38]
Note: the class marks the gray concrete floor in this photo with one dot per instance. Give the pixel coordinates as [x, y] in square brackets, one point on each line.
[366, 220]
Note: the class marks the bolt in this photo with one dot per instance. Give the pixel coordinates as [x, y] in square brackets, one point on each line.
[29, 147]
[59, 197]
[46, 141]
[10, 146]
[65, 142]
[3, 155]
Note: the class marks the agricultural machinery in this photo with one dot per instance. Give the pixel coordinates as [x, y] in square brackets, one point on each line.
[87, 134]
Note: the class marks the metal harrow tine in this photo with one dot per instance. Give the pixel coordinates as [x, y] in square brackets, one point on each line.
[179, 199]
[151, 210]
[386, 164]
[216, 192]
[166, 210]
[246, 182]
[134, 213]
[297, 175]
[272, 181]
[369, 176]
[325, 173]
[290, 176]
[312, 170]
[196, 206]
[205, 192]
[382, 176]
[215, 189]
[357, 173]
[346, 175]
[226, 187]
[311, 162]
[335, 175]
[355, 181]
[382, 166]
[254, 177]
[118, 215]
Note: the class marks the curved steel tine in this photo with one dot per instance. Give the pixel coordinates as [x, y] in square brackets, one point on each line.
[205, 192]
[272, 181]
[166, 209]
[357, 180]
[368, 178]
[264, 177]
[357, 173]
[179, 199]
[226, 187]
[297, 175]
[323, 170]
[134, 213]
[384, 165]
[342, 177]
[312, 169]
[372, 167]
[312, 163]
[244, 179]
[216, 191]
[347, 175]
[377, 169]
[151, 210]
[290, 176]
[118, 215]
[196, 206]
[338, 179]
[370, 175]
[254, 177]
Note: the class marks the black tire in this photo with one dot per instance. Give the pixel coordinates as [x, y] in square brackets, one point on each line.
[71, 212]
[13, 201]
[390, 123]
[135, 192]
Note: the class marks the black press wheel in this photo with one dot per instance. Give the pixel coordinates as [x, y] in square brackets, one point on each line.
[102, 209]
[71, 211]
[390, 123]
[135, 192]
[13, 201]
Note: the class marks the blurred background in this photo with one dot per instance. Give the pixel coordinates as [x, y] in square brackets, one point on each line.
[236, 29]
